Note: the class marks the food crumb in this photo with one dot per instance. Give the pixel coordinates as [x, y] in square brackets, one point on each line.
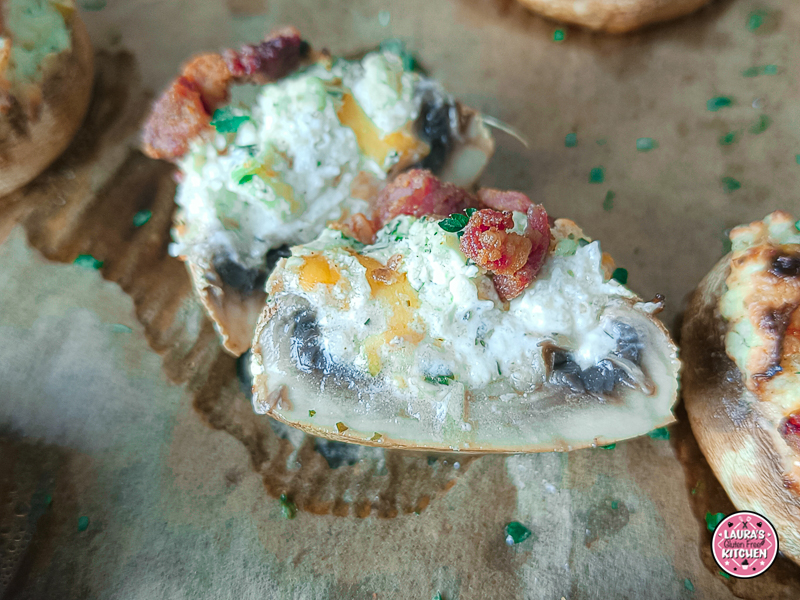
[662, 433]
[83, 523]
[756, 19]
[718, 102]
[608, 202]
[571, 140]
[687, 583]
[609, 446]
[727, 139]
[288, 508]
[729, 184]
[341, 427]
[559, 35]
[620, 275]
[87, 261]
[141, 217]
[645, 144]
[712, 520]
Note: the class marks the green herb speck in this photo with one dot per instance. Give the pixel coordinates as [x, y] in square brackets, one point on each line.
[439, 379]
[470, 212]
[570, 272]
[571, 140]
[614, 505]
[729, 184]
[583, 242]
[645, 144]
[499, 372]
[83, 523]
[456, 222]
[763, 70]
[141, 217]
[797, 158]
[762, 125]
[756, 19]
[120, 328]
[662, 433]
[608, 201]
[712, 520]
[727, 139]
[597, 175]
[769, 69]
[696, 487]
[311, 413]
[688, 584]
[724, 574]
[87, 261]
[797, 225]
[246, 178]
[437, 596]
[751, 71]
[559, 35]
[718, 102]
[516, 533]
[620, 275]
[367, 321]
[288, 507]
[609, 446]
[224, 121]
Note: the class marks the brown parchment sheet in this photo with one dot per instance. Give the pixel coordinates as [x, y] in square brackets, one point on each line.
[131, 464]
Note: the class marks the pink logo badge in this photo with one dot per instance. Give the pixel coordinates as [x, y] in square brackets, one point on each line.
[745, 544]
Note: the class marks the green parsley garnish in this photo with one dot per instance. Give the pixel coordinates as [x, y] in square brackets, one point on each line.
[729, 184]
[620, 275]
[645, 144]
[688, 584]
[437, 596]
[398, 47]
[224, 121]
[765, 70]
[797, 225]
[499, 372]
[614, 505]
[440, 379]
[797, 158]
[696, 487]
[609, 447]
[712, 520]
[120, 328]
[762, 125]
[559, 35]
[87, 261]
[456, 222]
[724, 574]
[583, 242]
[571, 140]
[246, 178]
[570, 272]
[662, 433]
[608, 201]
[367, 321]
[288, 507]
[311, 413]
[597, 175]
[141, 217]
[83, 523]
[756, 19]
[516, 533]
[718, 102]
[727, 139]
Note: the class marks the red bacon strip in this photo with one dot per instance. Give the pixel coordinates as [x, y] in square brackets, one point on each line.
[185, 108]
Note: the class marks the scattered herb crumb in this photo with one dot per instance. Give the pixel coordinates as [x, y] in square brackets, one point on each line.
[614, 505]
[571, 140]
[87, 261]
[620, 275]
[728, 139]
[516, 533]
[718, 102]
[288, 507]
[729, 184]
[608, 201]
[570, 272]
[224, 121]
[439, 379]
[48, 499]
[246, 178]
[797, 158]
[756, 19]
[724, 574]
[645, 144]
[120, 328]
[341, 427]
[797, 225]
[141, 217]
[437, 596]
[687, 583]
[662, 433]
[456, 222]
[697, 487]
[83, 523]
[559, 35]
[762, 70]
[311, 413]
[597, 175]
[762, 125]
[583, 242]
[367, 321]
[712, 520]
[609, 447]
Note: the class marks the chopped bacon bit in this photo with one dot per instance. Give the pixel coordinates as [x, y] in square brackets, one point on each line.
[184, 110]
[790, 430]
[503, 200]
[418, 192]
[358, 227]
[486, 241]
[515, 260]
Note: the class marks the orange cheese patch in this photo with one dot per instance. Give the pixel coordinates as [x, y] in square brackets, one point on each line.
[317, 270]
[369, 138]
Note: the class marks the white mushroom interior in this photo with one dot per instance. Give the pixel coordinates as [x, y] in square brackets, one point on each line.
[407, 339]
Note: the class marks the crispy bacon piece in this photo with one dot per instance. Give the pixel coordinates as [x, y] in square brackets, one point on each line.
[418, 192]
[504, 200]
[487, 242]
[185, 108]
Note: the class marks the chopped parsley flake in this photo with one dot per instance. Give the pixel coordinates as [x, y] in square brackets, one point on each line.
[571, 140]
[797, 158]
[762, 125]
[224, 121]
[797, 225]
[756, 19]
[559, 35]
[608, 202]
[614, 505]
[712, 520]
[288, 507]
[570, 272]
[597, 175]
[609, 447]
[367, 321]
[763, 70]
[471, 211]
[662, 433]
[120, 328]
[437, 596]
[620, 275]
[688, 584]
[341, 427]
[516, 533]
[311, 413]
[583, 242]
[645, 144]
[439, 379]
[728, 139]
[714, 104]
[724, 574]
[141, 217]
[696, 487]
[499, 372]
[729, 184]
[456, 222]
[246, 178]
[87, 261]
